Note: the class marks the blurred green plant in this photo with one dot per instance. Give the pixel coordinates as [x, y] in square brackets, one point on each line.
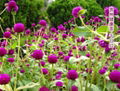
[29, 12]
[60, 10]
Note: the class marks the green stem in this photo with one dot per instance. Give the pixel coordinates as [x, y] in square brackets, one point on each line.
[1, 28]
[3, 11]
[96, 33]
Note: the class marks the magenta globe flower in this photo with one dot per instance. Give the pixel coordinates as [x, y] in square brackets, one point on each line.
[7, 34]
[52, 58]
[44, 71]
[102, 71]
[61, 27]
[19, 27]
[12, 6]
[37, 54]
[3, 51]
[66, 58]
[118, 85]
[11, 60]
[75, 11]
[59, 83]
[43, 88]
[74, 88]
[115, 76]
[10, 52]
[72, 74]
[4, 79]
[116, 66]
[43, 22]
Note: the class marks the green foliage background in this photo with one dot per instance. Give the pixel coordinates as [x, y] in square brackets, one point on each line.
[29, 11]
[60, 10]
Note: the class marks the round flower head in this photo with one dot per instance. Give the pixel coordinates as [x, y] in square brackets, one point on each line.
[59, 84]
[52, 58]
[116, 65]
[66, 58]
[11, 60]
[42, 63]
[3, 51]
[75, 11]
[53, 29]
[19, 27]
[106, 10]
[61, 27]
[43, 88]
[11, 52]
[7, 34]
[43, 22]
[118, 85]
[12, 6]
[72, 74]
[115, 76]
[22, 71]
[103, 43]
[102, 71]
[64, 35]
[4, 79]
[74, 88]
[37, 54]
[44, 71]
[27, 32]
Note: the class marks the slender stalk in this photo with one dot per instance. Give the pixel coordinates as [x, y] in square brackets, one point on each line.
[3, 11]
[1, 28]
[96, 33]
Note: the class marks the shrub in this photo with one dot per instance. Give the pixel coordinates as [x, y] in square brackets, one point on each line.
[29, 11]
[60, 10]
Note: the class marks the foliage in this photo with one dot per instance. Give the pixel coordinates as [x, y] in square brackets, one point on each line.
[60, 10]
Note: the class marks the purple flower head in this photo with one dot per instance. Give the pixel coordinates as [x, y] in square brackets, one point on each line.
[66, 58]
[19, 27]
[107, 49]
[44, 71]
[116, 66]
[61, 27]
[75, 11]
[12, 6]
[97, 19]
[103, 43]
[3, 51]
[43, 88]
[11, 52]
[33, 24]
[4, 43]
[43, 22]
[11, 60]
[88, 55]
[4, 79]
[53, 29]
[115, 76]
[22, 71]
[7, 34]
[82, 39]
[52, 58]
[59, 83]
[42, 63]
[58, 76]
[72, 74]
[27, 32]
[60, 53]
[102, 71]
[37, 54]
[64, 35]
[74, 88]
[106, 10]
[118, 85]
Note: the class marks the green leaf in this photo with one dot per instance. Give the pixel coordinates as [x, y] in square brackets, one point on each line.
[104, 29]
[82, 31]
[83, 11]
